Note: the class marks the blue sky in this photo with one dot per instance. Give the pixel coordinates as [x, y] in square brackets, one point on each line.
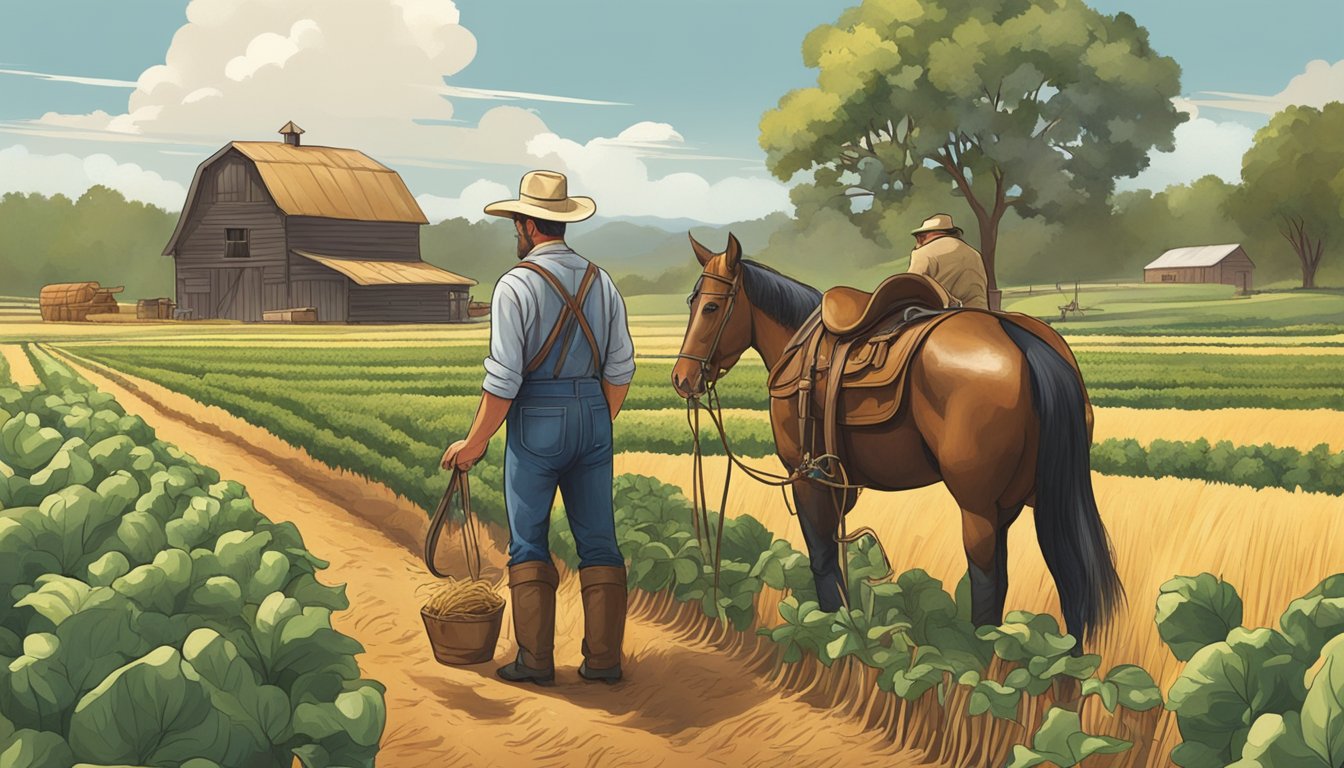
[688, 80]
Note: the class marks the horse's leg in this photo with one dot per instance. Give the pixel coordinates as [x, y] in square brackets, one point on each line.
[817, 514]
[985, 538]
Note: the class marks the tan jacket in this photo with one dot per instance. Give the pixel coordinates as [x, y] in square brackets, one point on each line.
[956, 266]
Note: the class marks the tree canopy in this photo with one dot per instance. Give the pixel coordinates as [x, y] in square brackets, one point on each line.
[1030, 105]
[1293, 181]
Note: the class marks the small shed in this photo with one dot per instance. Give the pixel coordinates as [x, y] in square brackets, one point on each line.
[1216, 264]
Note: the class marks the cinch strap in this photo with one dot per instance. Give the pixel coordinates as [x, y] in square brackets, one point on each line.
[573, 307]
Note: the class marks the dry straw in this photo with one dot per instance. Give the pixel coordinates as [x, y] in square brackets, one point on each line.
[463, 598]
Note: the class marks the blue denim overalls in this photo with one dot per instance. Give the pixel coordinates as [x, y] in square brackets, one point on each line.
[559, 437]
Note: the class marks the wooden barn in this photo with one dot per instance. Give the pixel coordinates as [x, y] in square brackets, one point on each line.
[1225, 264]
[277, 225]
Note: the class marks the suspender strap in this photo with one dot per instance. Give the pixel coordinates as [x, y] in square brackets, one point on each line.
[573, 308]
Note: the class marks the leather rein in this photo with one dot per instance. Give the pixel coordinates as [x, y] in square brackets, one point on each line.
[812, 469]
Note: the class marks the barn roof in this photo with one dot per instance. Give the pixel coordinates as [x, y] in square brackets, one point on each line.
[1194, 256]
[388, 271]
[325, 182]
[331, 183]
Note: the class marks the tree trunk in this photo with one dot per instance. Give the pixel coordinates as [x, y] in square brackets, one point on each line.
[1308, 273]
[989, 245]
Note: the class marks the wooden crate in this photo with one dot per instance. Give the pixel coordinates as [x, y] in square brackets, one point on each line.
[154, 309]
[295, 315]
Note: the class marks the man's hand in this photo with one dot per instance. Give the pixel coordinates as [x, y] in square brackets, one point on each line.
[463, 455]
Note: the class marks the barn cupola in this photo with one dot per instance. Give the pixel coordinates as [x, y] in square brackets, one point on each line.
[291, 132]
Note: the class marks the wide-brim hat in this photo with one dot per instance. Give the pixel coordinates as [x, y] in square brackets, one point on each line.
[939, 222]
[545, 195]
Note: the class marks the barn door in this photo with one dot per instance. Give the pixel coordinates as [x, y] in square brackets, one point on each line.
[236, 294]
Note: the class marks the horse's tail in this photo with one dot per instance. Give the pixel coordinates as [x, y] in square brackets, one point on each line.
[1068, 526]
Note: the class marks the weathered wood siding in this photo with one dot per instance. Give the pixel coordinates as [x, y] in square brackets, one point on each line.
[354, 239]
[212, 284]
[407, 304]
[233, 293]
[328, 295]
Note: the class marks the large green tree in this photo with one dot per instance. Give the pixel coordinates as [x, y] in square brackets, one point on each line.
[1025, 105]
[1292, 178]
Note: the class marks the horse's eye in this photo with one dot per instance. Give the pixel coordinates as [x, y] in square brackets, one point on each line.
[710, 307]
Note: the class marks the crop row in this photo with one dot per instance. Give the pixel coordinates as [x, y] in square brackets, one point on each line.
[396, 438]
[154, 617]
[1114, 378]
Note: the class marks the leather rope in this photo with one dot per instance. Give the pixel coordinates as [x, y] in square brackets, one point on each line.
[458, 486]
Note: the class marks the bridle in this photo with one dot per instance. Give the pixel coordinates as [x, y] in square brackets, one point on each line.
[730, 295]
[813, 470]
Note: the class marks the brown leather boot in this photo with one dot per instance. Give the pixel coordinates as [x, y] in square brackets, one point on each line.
[604, 602]
[532, 586]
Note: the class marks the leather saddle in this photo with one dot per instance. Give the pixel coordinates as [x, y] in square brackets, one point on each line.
[846, 311]
[856, 376]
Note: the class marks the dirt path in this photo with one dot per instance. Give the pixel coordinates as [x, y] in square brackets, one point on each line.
[684, 702]
[20, 367]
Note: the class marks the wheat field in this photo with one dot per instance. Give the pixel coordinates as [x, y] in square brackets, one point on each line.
[1300, 429]
[1272, 545]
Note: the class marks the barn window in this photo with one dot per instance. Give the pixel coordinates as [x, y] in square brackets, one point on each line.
[1168, 278]
[235, 243]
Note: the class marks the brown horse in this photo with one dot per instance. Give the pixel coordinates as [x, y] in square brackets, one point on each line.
[992, 411]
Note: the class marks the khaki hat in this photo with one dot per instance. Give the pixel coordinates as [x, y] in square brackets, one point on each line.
[938, 222]
[545, 195]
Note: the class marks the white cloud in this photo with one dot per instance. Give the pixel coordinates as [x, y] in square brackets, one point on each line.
[23, 171]
[1203, 147]
[614, 171]
[371, 75]
[101, 82]
[366, 75]
[1321, 82]
[270, 49]
[468, 205]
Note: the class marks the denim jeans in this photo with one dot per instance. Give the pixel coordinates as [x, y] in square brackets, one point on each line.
[559, 437]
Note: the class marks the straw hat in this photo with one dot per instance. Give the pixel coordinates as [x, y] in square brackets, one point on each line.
[545, 195]
[939, 222]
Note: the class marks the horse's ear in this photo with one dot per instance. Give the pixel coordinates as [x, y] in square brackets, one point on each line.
[734, 252]
[702, 254]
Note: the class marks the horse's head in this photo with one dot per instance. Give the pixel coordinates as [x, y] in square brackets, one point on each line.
[719, 329]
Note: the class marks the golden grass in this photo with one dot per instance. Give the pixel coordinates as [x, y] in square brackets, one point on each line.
[20, 367]
[1303, 429]
[1183, 349]
[1250, 340]
[1273, 545]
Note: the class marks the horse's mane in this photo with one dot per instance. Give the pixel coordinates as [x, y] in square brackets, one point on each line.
[781, 298]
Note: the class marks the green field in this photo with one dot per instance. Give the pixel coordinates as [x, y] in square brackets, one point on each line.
[153, 616]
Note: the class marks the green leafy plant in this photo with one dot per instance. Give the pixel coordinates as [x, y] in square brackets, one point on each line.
[1193, 612]
[1061, 741]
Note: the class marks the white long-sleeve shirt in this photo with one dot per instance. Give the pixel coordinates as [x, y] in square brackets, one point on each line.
[524, 308]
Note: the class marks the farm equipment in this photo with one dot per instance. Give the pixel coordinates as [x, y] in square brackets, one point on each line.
[74, 302]
[1073, 307]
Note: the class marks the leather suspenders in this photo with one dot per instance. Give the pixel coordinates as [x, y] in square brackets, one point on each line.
[572, 310]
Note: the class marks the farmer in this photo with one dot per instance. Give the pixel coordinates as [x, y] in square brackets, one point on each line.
[560, 363]
[941, 254]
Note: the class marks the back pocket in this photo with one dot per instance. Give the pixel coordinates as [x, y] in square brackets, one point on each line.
[542, 431]
[601, 417]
